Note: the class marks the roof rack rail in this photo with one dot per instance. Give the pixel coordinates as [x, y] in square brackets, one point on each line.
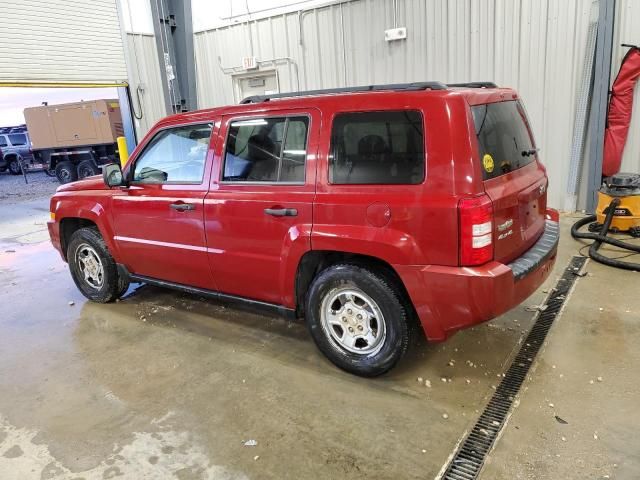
[367, 88]
[14, 129]
[474, 85]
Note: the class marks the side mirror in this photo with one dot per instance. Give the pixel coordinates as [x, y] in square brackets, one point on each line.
[112, 175]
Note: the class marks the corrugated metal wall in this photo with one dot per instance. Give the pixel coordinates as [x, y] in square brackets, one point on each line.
[537, 47]
[61, 41]
[144, 71]
[627, 30]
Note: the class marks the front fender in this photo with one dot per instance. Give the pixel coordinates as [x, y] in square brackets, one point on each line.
[94, 208]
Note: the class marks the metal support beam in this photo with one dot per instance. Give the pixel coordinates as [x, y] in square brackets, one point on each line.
[173, 27]
[127, 118]
[600, 98]
[185, 57]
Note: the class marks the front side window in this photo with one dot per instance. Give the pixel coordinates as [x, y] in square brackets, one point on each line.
[18, 139]
[377, 148]
[505, 141]
[174, 155]
[266, 150]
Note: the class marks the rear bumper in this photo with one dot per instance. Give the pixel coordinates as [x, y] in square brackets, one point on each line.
[448, 299]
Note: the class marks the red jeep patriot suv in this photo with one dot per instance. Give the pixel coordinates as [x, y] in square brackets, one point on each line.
[362, 209]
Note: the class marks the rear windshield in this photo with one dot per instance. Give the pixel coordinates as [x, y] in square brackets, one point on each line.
[504, 138]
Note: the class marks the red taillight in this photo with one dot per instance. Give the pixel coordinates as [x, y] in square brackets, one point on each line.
[476, 230]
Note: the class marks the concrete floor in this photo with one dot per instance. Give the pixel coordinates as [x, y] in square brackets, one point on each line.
[166, 385]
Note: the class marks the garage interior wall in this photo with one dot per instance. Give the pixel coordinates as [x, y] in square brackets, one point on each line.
[143, 67]
[61, 41]
[145, 84]
[536, 47]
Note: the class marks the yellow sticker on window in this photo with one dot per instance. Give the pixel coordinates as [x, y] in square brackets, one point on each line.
[487, 163]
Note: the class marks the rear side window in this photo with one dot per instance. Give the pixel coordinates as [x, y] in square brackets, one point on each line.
[505, 141]
[18, 139]
[266, 150]
[3, 141]
[377, 148]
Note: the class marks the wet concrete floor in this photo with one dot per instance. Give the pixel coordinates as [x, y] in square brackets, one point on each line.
[166, 385]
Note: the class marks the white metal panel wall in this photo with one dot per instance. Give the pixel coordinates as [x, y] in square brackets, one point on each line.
[536, 47]
[147, 96]
[61, 41]
[627, 30]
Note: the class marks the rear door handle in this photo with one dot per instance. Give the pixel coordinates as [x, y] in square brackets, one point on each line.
[182, 207]
[281, 212]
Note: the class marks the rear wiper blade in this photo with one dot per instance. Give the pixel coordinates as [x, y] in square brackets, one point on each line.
[527, 153]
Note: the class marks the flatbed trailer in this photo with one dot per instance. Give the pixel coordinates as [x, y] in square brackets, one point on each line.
[75, 139]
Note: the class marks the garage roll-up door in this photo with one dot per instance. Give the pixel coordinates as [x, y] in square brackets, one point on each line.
[61, 42]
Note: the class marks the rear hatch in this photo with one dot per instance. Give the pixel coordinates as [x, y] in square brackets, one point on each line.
[513, 178]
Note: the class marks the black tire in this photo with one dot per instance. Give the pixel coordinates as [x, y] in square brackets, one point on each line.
[387, 298]
[49, 172]
[14, 166]
[88, 240]
[123, 285]
[87, 168]
[66, 172]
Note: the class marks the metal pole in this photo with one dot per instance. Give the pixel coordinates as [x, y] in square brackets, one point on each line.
[600, 98]
[24, 174]
[127, 119]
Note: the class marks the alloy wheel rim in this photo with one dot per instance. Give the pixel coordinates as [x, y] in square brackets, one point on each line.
[90, 266]
[353, 321]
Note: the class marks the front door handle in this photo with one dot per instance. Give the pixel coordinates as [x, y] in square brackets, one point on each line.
[182, 207]
[281, 212]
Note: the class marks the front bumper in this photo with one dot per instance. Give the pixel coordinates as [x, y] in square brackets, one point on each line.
[54, 234]
[448, 299]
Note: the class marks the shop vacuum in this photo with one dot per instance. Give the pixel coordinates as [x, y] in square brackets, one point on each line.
[618, 209]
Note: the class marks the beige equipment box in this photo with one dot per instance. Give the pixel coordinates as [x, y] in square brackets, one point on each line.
[93, 122]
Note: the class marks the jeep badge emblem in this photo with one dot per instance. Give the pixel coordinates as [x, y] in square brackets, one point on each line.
[503, 226]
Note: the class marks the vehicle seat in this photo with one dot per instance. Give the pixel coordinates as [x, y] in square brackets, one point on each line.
[261, 154]
[372, 162]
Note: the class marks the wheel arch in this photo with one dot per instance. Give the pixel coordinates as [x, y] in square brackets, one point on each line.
[68, 226]
[92, 215]
[315, 261]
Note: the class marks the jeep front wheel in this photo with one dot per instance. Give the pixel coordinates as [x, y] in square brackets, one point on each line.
[357, 319]
[92, 267]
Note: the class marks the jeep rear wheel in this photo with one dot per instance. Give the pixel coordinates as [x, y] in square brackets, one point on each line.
[66, 172]
[92, 267]
[357, 319]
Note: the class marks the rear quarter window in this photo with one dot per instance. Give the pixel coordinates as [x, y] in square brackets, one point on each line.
[381, 148]
[505, 142]
[18, 139]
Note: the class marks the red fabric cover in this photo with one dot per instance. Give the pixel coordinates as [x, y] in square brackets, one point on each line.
[619, 114]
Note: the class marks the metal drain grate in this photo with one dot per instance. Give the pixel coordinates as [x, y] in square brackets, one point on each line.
[471, 454]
